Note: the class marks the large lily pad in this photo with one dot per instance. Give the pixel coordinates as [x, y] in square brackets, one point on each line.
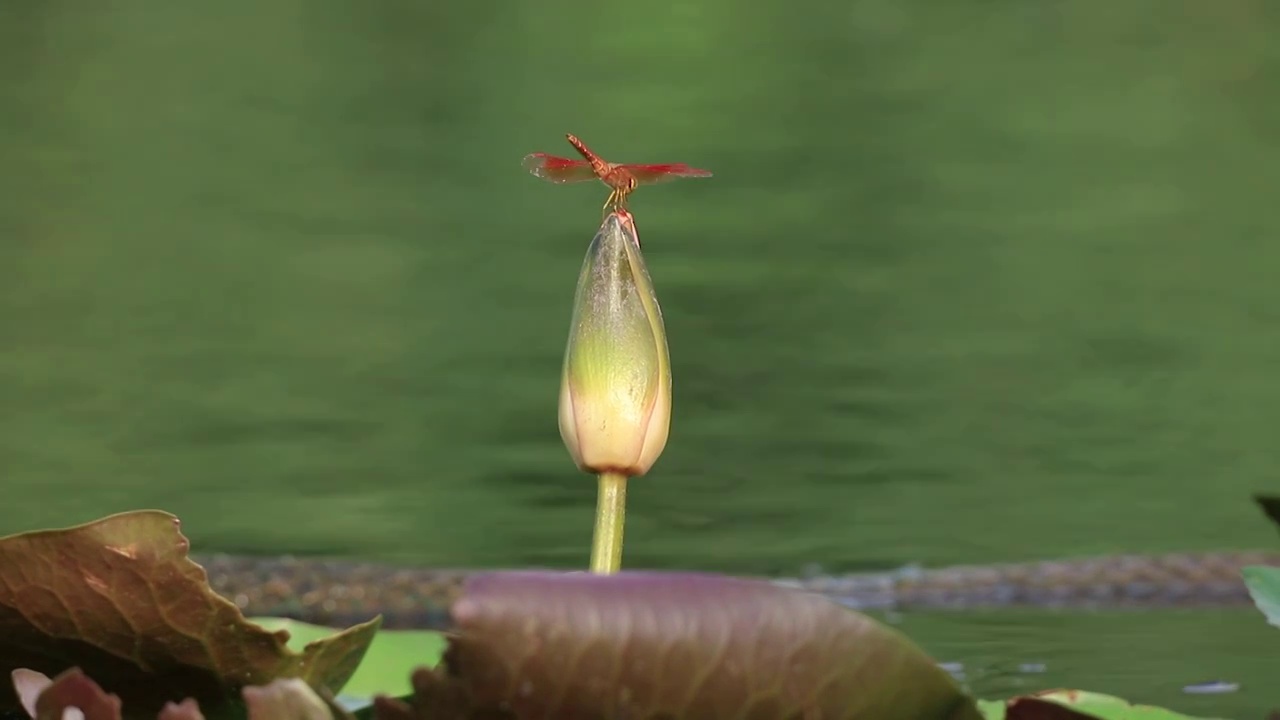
[681, 646]
[120, 599]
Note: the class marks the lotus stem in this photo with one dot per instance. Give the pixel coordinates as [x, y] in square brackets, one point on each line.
[611, 515]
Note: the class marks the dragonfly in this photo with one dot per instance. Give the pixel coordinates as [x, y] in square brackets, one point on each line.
[621, 178]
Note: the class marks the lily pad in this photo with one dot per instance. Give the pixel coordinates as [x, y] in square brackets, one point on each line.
[1074, 705]
[387, 665]
[1270, 505]
[1264, 587]
[71, 690]
[289, 699]
[1034, 708]
[186, 710]
[73, 694]
[671, 645]
[120, 599]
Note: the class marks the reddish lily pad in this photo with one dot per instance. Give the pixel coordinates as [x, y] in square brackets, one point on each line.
[670, 645]
[73, 690]
[61, 697]
[290, 699]
[120, 599]
[28, 684]
[186, 710]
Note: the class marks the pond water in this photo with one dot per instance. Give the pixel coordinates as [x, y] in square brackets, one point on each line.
[1156, 657]
[973, 283]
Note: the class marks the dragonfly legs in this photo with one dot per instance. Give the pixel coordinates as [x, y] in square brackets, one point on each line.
[617, 199]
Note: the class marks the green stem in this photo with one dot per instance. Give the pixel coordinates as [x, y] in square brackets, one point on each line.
[611, 514]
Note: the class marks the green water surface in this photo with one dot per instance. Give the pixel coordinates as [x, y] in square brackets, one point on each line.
[972, 282]
[1152, 658]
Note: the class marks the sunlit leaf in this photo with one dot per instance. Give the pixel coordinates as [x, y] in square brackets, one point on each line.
[673, 645]
[1074, 705]
[1264, 587]
[120, 599]
[388, 663]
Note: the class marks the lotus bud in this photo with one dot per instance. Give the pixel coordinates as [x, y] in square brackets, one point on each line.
[615, 392]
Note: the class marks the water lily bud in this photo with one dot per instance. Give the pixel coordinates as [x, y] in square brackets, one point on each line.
[615, 392]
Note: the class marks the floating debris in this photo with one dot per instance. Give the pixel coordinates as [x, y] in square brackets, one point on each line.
[1213, 687]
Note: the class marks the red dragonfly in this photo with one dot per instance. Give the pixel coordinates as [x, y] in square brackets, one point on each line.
[622, 179]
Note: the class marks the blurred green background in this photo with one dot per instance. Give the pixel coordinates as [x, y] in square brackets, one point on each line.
[972, 282]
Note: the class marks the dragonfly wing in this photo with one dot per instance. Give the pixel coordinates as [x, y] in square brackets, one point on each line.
[650, 174]
[558, 169]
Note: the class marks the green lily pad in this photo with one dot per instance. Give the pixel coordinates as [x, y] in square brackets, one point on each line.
[682, 646]
[1074, 705]
[1264, 587]
[120, 599]
[386, 667]
[1270, 505]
